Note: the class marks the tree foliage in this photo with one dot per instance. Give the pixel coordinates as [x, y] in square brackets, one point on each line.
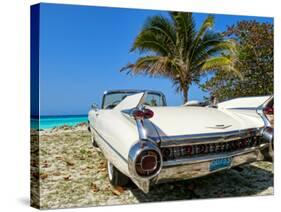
[172, 47]
[255, 63]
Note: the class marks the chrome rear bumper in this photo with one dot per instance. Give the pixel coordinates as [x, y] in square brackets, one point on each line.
[197, 167]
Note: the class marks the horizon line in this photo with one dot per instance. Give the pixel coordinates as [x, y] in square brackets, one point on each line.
[59, 115]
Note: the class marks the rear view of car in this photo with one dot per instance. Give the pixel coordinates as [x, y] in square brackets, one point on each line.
[149, 142]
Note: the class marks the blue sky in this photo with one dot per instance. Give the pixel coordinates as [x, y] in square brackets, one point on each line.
[82, 49]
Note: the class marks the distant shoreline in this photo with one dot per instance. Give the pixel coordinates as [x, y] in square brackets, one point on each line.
[61, 127]
[56, 116]
[49, 122]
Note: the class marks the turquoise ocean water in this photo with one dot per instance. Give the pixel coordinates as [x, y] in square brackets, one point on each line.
[47, 122]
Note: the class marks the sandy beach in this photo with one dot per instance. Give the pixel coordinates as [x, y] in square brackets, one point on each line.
[73, 174]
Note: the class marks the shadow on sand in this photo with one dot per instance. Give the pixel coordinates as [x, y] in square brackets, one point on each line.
[247, 181]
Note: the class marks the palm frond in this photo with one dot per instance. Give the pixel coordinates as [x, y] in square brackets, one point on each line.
[224, 63]
[161, 25]
[224, 47]
[149, 42]
[150, 65]
[157, 35]
[185, 31]
[208, 23]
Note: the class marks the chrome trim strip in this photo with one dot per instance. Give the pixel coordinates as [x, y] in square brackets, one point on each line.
[167, 141]
[242, 108]
[141, 130]
[265, 120]
[262, 115]
[268, 131]
[201, 159]
[124, 159]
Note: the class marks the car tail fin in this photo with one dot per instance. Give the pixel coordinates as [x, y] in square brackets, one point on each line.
[244, 102]
[131, 101]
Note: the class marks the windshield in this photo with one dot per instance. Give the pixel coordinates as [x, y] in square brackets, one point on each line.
[110, 100]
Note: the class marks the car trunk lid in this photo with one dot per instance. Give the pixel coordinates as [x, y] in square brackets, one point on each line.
[175, 121]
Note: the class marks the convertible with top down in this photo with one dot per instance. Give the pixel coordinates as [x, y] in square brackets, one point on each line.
[149, 142]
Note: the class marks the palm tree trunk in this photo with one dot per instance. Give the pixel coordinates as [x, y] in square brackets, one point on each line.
[185, 94]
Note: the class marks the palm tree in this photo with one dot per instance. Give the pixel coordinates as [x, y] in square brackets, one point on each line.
[173, 48]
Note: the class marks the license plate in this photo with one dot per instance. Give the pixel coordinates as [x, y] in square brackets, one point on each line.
[220, 164]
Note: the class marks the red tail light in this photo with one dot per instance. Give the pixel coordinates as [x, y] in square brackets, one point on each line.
[138, 114]
[147, 163]
[148, 113]
[143, 114]
[268, 111]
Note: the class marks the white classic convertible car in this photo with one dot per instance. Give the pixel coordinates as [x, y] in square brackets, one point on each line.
[149, 142]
